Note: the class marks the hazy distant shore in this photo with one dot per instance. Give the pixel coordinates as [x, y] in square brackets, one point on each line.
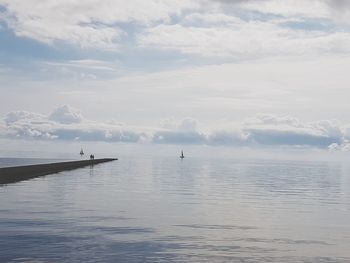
[19, 173]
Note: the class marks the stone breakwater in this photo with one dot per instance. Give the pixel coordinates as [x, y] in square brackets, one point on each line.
[15, 174]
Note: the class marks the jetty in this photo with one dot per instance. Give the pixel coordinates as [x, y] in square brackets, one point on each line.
[15, 174]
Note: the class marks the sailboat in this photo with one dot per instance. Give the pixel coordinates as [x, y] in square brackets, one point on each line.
[81, 152]
[182, 155]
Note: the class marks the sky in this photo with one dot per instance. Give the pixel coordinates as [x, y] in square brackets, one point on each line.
[224, 73]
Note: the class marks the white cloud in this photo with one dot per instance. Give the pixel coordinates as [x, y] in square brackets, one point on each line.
[285, 130]
[244, 40]
[98, 24]
[211, 18]
[65, 123]
[228, 137]
[88, 24]
[201, 27]
[300, 8]
[187, 124]
[261, 130]
[344, 147]
[66, 114]
[89, 64]
[179, 137]
[336, 11]
[183, 132]
[16, 116]
[292, 8]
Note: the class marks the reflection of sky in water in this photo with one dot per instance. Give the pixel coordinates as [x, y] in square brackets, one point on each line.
[168, 210]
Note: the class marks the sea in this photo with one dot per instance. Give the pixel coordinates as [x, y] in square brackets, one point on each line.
[164, 209]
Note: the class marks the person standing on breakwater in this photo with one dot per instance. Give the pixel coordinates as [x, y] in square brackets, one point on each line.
[92, 157]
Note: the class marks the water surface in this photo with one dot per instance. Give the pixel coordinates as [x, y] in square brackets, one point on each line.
[168, 210]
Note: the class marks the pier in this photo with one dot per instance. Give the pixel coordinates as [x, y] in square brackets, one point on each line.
[15, 174]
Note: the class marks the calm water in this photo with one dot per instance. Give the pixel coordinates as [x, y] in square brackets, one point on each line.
[167, 210]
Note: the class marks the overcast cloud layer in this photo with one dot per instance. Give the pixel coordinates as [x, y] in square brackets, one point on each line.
[237, 68]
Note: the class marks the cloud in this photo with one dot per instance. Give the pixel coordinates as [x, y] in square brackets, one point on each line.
[188, 26]
[228, 137]
[66, 114]
[332, 10]
[332, 3]
[178, 137]
[65, 123]
[261, 130]
[186, 125]
[87, 24]
[338, 4]
[235, 38]
[286, 8]
[335, 147]
[89, 64]
[210, 19]
[88, 133]
[275, 130]
[184, 132]
[16, 116]
[28, 125]
[51, 28]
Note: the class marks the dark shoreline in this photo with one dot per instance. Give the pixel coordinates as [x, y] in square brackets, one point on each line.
[15, 174]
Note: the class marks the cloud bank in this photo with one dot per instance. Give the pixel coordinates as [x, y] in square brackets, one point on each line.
[67, 124]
